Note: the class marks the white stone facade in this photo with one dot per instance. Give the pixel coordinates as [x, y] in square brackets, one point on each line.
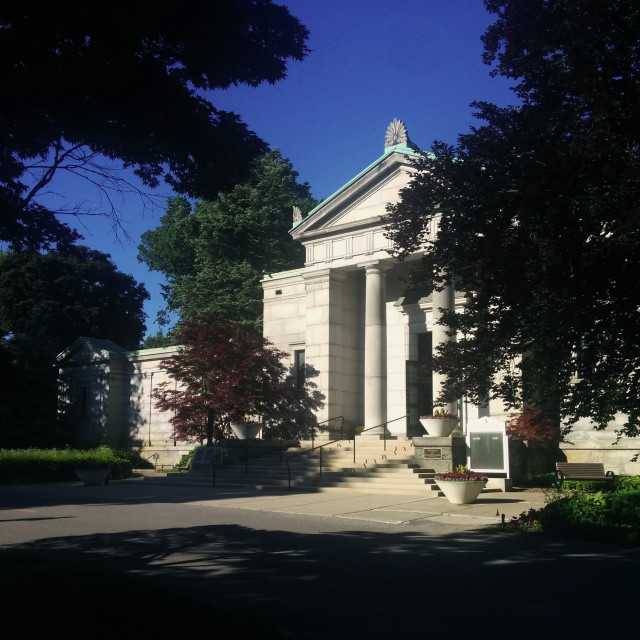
[105, 398]
[348, 308]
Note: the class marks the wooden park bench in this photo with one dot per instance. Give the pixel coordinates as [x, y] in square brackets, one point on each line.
[187, 467]
[581, 471]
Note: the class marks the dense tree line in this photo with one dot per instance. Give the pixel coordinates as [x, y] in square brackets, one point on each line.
[88, 89]
[538, 212]
[47, 300]
[127, 81]
[214, 255]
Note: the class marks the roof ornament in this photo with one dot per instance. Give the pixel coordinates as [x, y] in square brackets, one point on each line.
[396, 134]
[297, 214]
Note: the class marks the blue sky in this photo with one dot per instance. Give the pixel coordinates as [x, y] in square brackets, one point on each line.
[416, 60]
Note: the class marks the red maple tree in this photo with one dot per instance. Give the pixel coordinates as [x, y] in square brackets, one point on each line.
[224, 374]
[531, 425]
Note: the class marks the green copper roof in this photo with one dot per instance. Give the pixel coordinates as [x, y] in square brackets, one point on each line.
[283, 274]
[403, 148]
[151, 351]
[106, 346]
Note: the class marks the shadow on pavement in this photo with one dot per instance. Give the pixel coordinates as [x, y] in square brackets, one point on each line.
[349, 584]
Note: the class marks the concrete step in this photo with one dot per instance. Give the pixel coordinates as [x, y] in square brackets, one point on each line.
[318, 485]
[376, 470]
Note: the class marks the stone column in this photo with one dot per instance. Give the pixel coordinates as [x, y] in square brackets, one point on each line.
[375, 351]
[442, 301]
[323, 337]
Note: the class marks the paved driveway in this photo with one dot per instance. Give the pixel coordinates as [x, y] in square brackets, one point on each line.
[330, 566]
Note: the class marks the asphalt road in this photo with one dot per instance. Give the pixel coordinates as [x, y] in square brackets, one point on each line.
[322, 576]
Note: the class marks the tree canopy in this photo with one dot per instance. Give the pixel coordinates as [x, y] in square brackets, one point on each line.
[215, 256]
[46, 302]
[538, 216]
[225, 375]
[128, 81]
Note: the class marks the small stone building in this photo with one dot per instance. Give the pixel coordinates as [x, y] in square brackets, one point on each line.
[105, 398]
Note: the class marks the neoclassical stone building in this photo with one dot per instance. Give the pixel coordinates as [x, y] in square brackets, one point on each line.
[350, 313]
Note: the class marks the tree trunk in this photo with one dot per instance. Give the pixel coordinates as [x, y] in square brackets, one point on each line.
[210, 420]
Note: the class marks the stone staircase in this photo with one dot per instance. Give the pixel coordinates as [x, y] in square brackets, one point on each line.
[374, 471]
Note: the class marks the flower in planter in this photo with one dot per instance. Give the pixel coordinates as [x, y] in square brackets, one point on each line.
[439, 413]
[461, 474]
[247, 419]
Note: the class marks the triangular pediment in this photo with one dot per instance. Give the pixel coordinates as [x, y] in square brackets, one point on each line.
[361, 202]
[90, 350]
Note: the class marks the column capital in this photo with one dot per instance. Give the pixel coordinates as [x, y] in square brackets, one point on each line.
[324, 275]
[378, 265]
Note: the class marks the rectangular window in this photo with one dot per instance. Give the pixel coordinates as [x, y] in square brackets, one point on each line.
[83, 402]
[425, 373]
[299, 367]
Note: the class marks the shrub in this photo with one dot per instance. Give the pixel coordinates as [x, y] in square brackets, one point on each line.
[612, 516]
[588, 486]
[184, 461]
[536, 480]
[57, 465]
[528, 521]
[627, 482]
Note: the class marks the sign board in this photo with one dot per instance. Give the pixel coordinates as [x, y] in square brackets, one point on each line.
[487, 446]
[432, 453]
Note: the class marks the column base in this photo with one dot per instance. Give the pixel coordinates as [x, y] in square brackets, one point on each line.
[376, 434]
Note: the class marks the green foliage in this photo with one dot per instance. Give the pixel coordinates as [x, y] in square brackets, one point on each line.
[611, 516]
[158, 340]
[225, 374]
[537, 209]
[214, 257]
[588, 486]
[184, 460]
[627, 482]
[56, 465]
[538, 480]
[48, 300]
[69, 94]
[527, 521]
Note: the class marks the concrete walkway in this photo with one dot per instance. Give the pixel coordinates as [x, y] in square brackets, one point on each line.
[390, 509]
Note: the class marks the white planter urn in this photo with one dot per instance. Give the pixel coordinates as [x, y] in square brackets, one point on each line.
[93, 476]
[461, 492]
[246, 430]
[439, 427]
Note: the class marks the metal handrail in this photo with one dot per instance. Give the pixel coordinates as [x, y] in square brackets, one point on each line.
[221, 456]
[213, 465]
[246, 459]
[313, 432]
[326, 444]
[246, 449]
[155, 456]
